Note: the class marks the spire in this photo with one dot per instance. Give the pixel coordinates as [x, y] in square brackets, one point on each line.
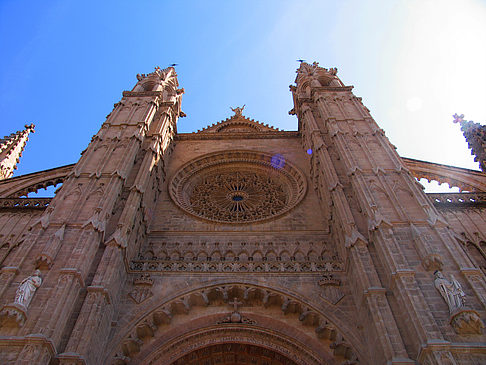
[475, 135]
[11, 148]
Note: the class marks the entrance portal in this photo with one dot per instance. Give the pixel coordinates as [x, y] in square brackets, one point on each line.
[234, 354]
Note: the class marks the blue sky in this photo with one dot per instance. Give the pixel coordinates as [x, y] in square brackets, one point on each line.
[415, 63]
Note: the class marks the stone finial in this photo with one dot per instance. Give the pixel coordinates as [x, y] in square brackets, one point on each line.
[11, 148]
[238, 110]
[458, 118]
[475, 135]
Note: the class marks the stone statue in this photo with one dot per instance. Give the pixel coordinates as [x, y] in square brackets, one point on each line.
[451, 291]
[27, 288]
[238, 110]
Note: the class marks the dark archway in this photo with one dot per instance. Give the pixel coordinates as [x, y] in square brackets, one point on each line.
[234, 354]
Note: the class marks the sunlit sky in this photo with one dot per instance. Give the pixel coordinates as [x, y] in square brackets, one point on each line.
[414, 62]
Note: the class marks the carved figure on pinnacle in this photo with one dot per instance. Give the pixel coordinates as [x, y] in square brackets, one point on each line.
[238, 110]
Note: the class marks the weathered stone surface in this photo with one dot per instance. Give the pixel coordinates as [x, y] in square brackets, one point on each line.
[243, 243]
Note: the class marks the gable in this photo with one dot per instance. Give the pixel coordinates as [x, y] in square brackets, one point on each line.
[238, 123]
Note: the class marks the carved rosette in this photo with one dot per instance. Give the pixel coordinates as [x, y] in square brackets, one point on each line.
[238, 187]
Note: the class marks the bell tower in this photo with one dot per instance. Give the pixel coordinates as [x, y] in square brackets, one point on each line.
[95, 222]
[382, 223]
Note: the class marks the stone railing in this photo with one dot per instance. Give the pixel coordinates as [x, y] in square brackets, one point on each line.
[24, 203]
[458, 199]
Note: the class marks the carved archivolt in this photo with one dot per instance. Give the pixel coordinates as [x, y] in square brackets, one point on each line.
[234, 353]
[261, 346]
[155, 326]
[238, 187]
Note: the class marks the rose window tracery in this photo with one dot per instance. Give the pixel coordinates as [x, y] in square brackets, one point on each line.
[237, 187]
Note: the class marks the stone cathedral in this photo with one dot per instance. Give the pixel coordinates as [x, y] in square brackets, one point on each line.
[241, 243]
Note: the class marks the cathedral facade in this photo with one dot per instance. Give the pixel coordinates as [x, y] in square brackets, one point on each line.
[241, 243]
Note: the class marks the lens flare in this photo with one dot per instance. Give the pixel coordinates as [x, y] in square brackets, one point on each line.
[278, 161]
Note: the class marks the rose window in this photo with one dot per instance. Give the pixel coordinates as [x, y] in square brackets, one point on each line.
[237, 187]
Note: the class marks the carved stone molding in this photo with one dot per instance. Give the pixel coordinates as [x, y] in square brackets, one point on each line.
[13, 315]
[134, 340]
[24, 203]
[235, 267]
[292, 352]
[233, 353]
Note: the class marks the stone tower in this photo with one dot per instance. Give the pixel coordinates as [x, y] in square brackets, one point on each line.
[11, 148]
[243, 244]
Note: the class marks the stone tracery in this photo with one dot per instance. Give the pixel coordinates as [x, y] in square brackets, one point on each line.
[237, 187]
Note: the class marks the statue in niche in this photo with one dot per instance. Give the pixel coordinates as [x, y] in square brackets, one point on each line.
[464, 320]
[451, 291]
[27, 288]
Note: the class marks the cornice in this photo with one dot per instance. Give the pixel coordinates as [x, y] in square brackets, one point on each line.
[216, 136]
[331, 88]
[141, 93]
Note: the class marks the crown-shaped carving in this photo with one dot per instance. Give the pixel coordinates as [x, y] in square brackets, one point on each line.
[328, 279]
[238, 123]
[143, 279]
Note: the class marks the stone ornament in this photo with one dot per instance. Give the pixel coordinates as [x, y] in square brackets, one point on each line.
[142, 288]
[238, 110]
[451, 291]
[235, 316]
[330, 288]
[238, 187]
[27, 288]
[16, 313]
[463, 319]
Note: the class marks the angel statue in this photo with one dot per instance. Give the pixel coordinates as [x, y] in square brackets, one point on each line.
[238, 110]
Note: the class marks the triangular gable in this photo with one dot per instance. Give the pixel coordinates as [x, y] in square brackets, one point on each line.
[238, 123]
